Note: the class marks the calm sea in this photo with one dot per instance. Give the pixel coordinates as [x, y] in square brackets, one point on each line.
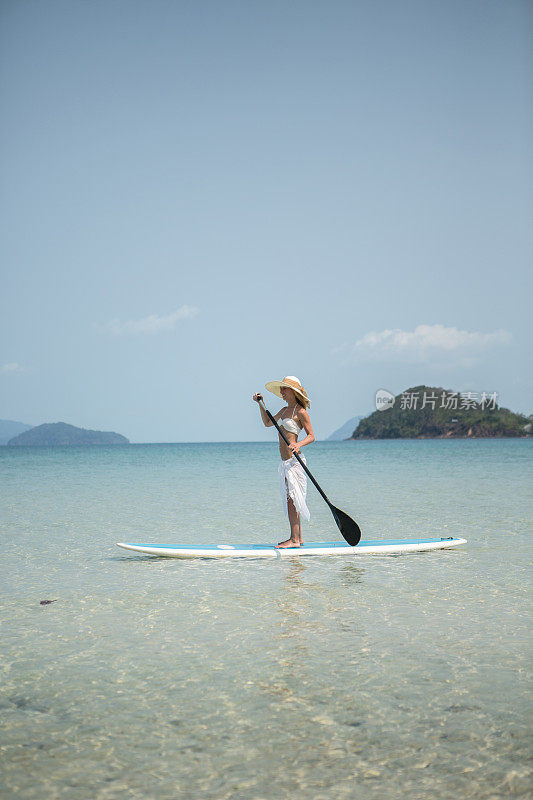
[376, 678]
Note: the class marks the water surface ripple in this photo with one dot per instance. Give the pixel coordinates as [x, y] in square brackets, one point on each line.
[327, 678]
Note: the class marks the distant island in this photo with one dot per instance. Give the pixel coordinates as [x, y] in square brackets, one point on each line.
[427, 412]
[345, 431]
[59, 433]
[9, 428]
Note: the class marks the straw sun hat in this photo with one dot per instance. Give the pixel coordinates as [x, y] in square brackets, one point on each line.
[290, 382]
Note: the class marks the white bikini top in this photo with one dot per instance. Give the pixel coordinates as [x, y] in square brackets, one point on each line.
[289, 423]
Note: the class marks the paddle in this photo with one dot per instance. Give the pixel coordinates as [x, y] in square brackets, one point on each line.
[347, 526]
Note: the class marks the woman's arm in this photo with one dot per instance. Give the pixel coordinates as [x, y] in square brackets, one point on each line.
[266, 421]
[305, 422]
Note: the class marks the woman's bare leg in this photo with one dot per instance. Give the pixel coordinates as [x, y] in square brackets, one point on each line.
[296, 530]
[294, 519]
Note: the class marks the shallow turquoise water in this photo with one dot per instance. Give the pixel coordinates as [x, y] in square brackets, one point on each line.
[329, 678]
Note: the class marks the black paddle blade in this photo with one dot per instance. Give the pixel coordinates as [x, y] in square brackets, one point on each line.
[347, 526]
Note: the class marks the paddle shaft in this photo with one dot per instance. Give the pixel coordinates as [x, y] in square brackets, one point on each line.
[273, 421]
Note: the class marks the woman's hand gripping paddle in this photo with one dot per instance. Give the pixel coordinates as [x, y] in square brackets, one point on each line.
[347, 526]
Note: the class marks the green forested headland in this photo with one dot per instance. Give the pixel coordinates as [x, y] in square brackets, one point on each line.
[425, 412]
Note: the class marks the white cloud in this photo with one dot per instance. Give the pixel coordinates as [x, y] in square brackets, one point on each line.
[423, 343]
[12, 367]
[154, 323]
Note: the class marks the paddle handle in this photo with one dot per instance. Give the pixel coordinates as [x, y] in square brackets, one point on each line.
[273, 421]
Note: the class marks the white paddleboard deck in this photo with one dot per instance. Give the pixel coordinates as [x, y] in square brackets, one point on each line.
[391, 547]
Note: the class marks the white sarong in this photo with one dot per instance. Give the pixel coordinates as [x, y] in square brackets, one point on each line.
[292, 479]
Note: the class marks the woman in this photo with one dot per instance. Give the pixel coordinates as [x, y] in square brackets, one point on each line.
[293, 480]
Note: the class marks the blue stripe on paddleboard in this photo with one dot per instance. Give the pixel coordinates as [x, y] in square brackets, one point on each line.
[314, 545]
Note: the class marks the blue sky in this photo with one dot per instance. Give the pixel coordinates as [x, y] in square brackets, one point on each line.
[199, 197]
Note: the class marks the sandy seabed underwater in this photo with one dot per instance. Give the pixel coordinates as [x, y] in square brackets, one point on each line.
[371, 677]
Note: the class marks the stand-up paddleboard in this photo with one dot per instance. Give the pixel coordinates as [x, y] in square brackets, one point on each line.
[312, 549]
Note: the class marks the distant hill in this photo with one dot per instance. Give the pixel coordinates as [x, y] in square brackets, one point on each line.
[345, 431]
[59, 433]
[9, 428]
[446, 420]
